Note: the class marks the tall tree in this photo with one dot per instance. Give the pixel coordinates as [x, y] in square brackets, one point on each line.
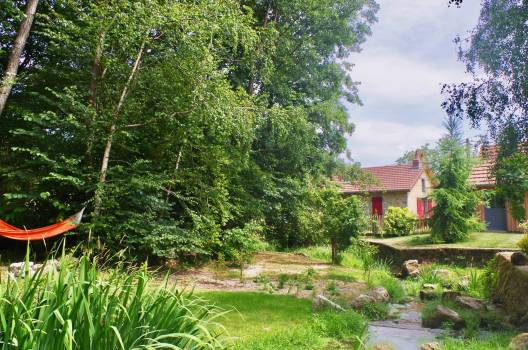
[13, 62]
[496, 55]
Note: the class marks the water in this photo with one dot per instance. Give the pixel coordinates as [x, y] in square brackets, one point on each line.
[405, 332]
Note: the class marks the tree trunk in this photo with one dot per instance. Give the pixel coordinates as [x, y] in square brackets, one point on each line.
[113, 129]
[16, 51]
[334, 251]
[97, 71]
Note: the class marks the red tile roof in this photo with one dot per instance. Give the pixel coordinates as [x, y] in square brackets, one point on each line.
[482, 173]
[387, 178]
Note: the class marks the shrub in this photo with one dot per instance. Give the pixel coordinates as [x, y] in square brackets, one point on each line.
[455, 200]
[79, 308]
[399, 221]
[523, 243]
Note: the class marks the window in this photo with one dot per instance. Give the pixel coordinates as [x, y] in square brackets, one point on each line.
[423, 186]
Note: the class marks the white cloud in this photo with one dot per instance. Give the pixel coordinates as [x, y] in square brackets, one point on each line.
[401, 70]
[382, 142]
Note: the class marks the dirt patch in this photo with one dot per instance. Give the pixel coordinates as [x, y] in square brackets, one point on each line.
[265, 274]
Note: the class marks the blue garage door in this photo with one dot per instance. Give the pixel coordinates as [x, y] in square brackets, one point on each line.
[495, 215]
[495, 219]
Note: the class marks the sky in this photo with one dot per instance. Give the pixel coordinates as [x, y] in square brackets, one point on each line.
[401, 69]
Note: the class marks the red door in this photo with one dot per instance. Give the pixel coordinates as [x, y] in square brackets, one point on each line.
[377, 206]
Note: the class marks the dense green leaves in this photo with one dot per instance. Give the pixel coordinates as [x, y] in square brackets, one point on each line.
[219, 114]
[455, 200]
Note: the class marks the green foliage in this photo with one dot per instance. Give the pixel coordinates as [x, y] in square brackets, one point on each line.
[81, 308]
[511, 173]
[375, 311]
[399, 221]
[494, 341]
[385, 279]
[454, 214]
[366, 253]
[209, 135]
[523, 243]
[342, 220]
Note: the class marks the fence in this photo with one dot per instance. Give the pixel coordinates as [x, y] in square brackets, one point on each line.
[377, 226]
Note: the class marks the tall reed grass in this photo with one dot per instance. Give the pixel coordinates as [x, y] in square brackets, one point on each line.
[78, 307]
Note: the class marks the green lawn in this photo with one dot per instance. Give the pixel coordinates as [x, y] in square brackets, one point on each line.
[260, 321]
[476, 240]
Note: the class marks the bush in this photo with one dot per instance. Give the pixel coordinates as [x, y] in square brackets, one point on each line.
[523, 243]
[399, 221]
[79, 308]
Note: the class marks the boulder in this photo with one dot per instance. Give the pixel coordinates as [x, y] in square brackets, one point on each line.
[429, 286]
[441, 315]
[379, 294]
[443, 274]
[410, 268]
[361, 301]
[519, 259]
[430, 346]
[450, 295]
[20, 268]
[382, 347]
[470, 303]
[464, 283]
[520, 342]
[511, 286]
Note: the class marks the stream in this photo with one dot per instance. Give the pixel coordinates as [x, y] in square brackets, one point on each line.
[404, 332]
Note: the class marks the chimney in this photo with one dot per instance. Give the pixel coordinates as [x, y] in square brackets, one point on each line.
[417, 162]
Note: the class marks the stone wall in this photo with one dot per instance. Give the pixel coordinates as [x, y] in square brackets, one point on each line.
[511, 287]
[456, 256]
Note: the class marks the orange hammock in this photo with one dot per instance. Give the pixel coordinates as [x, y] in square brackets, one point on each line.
[13, 232]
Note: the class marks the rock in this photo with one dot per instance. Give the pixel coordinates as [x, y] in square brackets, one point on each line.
[443, 274]
[470, 303]
[520, 342]
[450, 295]
[512, 284]
[430, 346]
[442, 315]
[519, 259]
[429, 286]
[410, 268]
[361, 301]
[19, 269]
[321, 301]
[464, 282]
[379, 294]
[427, 294]
[382, 347]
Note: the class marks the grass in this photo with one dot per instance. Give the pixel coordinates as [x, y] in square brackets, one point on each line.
[79, 307]
[261, 321]
[493, 341]
[476, 240]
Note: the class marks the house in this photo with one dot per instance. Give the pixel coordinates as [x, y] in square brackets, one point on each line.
[496, 213]
[405, 185]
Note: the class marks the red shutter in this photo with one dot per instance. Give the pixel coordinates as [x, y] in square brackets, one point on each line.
[430, 207]
[420, 208]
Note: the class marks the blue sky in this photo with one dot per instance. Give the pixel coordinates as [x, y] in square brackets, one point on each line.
[401, 69]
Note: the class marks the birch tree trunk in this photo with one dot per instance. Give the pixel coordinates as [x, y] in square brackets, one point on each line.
[113, 129]
[16, 51]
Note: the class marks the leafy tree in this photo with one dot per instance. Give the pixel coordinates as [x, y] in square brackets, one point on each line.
[342, 220]
[456, 201]
[178, 123]
[496, 58]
